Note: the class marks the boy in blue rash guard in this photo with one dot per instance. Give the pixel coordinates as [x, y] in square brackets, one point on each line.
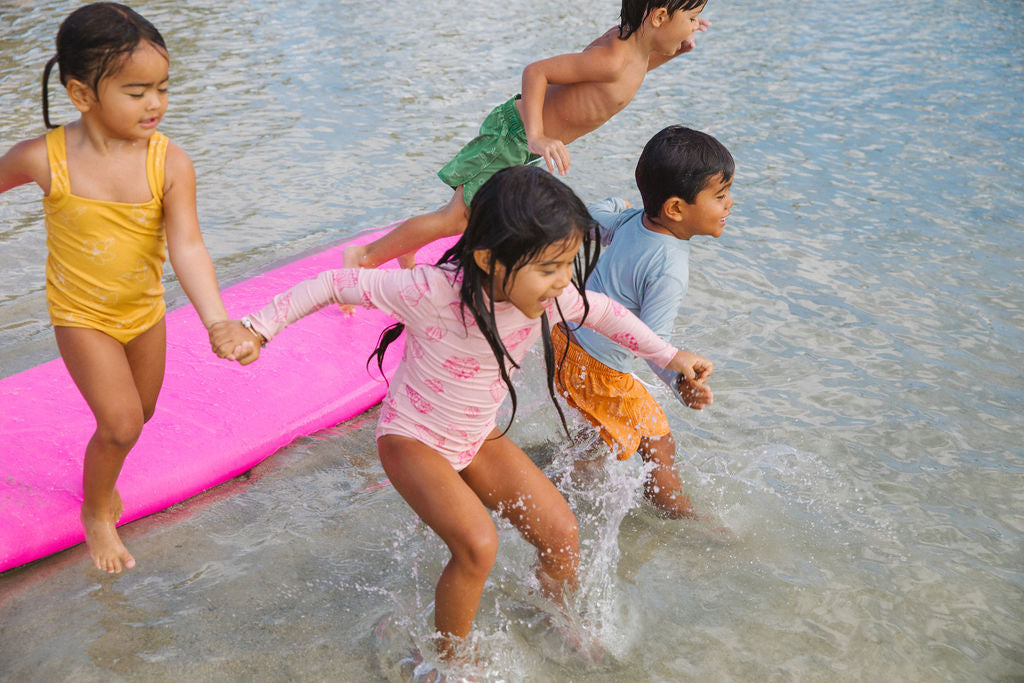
[684, 177]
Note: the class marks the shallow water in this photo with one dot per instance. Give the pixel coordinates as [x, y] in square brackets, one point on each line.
[863, 309]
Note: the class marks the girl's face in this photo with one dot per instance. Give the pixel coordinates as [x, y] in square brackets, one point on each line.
[131, 101]
[540, 280]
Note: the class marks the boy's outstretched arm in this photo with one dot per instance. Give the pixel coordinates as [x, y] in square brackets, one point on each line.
[597, 64]
[657, 60]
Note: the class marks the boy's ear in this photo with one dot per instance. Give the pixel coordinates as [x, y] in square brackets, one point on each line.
[658, 16]
[673, 209]
[81, 95]
[483, 259]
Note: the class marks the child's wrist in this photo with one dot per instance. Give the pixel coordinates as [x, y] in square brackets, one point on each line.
[247, 324]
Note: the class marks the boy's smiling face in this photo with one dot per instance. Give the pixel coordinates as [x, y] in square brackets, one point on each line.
[706, 216]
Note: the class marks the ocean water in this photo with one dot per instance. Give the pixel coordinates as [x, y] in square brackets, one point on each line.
[864, 310]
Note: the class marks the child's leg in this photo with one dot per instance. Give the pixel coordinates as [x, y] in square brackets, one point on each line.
[120, 384]
[663, 486]
[508, 481]
[403, 241]
[436, 492]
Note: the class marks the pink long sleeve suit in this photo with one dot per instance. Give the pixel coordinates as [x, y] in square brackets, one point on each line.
[447, 389]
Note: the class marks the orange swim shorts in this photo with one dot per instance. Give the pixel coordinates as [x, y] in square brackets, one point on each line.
[614, 402]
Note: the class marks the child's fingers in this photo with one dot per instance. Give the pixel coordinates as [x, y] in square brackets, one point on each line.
[688, 374]
[223, 350]
[696, 395]
[250, 358]
[562, 157]
[556, 163]
[705, 370]
[247, 353]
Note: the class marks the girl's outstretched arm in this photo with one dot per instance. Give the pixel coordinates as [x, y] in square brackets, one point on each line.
[309, 296]
[614, 321]
[25, 163]
[400, 293]
[330, 286]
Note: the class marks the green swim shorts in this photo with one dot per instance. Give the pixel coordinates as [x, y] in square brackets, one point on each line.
[500, 144]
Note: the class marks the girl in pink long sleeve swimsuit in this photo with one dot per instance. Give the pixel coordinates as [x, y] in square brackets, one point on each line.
[469, 321]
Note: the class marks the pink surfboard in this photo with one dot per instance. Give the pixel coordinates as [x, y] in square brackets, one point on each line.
[214, 419]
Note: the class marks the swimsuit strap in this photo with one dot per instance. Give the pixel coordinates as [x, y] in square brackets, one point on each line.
[57, 156]
[156, 159]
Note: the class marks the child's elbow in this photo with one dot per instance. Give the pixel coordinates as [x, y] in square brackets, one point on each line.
[534, 74]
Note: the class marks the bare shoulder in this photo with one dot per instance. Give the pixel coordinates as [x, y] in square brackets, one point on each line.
[177, 158]
[178, 169]
[25, 162]
[612, 51]
[609, 37]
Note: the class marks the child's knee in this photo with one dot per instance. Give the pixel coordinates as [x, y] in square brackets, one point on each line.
[564, 536]
[477, 549]
[661, 450]
[121, 432]
[452, 221]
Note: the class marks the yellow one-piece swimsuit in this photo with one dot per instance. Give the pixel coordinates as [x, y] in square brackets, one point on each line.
[106, 259]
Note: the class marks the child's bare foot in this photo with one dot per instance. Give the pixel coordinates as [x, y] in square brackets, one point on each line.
[585, 644]
[105, 547]
[577, 636]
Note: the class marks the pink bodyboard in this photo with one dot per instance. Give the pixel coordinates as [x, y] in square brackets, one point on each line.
[214, 419]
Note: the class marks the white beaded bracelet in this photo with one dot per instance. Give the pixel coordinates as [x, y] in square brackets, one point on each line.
[247, 324]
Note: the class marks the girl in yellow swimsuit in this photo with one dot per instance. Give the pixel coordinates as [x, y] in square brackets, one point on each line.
[118, 196]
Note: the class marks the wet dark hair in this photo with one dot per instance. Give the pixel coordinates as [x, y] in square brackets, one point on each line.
[635, 11]
[679, 162]
[91, 43]
[517, 214]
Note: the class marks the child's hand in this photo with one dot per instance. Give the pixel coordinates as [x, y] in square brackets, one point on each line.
[246, 352]
[230, 339]
[695, 394]
[692, 367]
[553, 151]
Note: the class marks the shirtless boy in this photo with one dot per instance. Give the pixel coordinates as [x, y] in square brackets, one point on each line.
[563, 98]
